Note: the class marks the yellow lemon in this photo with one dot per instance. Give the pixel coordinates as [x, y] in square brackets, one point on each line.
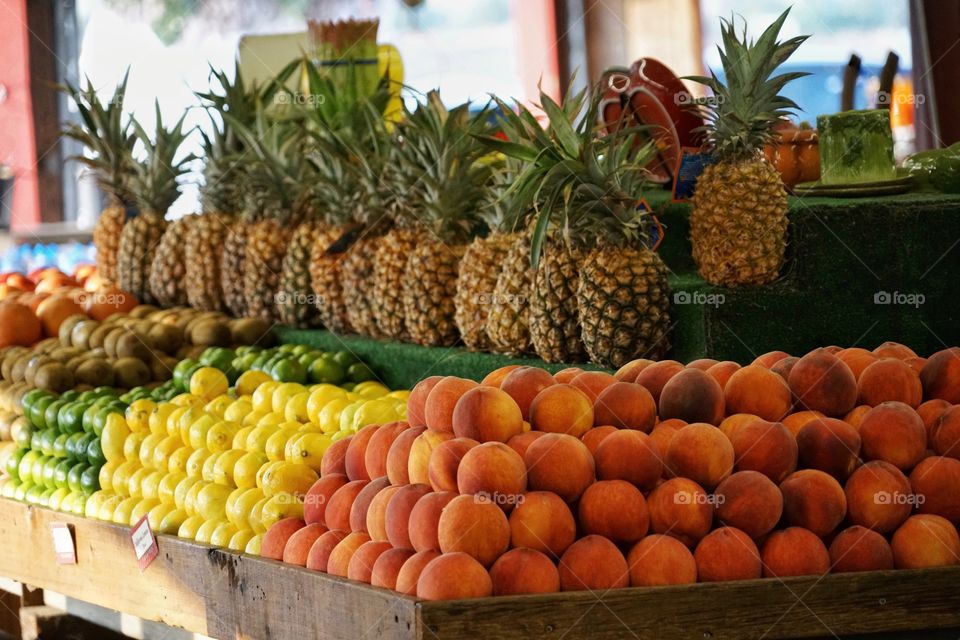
[121, 515]
[106, 474]
[56, 498]
[131, 446]
[108, 506]
[250, 381]
[264, 470]
[288, 447]
[371, 390]
[223, 468]
[320, 395]
[240, 437]
[252, 418]
[288, 477]
[94, 502]
[222, 534]
[255, 515]
[197, 431]
[276, 443]
[150, 484]
[218, 406]
[172, 521]
[296, 408]
[283, 393]
[240, 540]
[309, 427]
[329, 417]
[401, 394]
[141, 509]
[178, 460]
[309, 448]
[212, 501]
[167, 488]
[220, 436]
[121, 477]
[278, 507]
[380, 411]
[135, 483]
[190, 501]
[253, 546]
[238, 512]
[207, 383]
[271, 420]
[157, 420]
[113, 437]
[238, 410]
[147, 446]
[164, 449]
[195, 463]
[185, 400]
[189, 527]
[246, 468]
[234, 494]
[138, 414]
[262, 397]
[206, 471]
[173, 421]
[156, 515]
[349, 411]
[182, 490]
[257, 438]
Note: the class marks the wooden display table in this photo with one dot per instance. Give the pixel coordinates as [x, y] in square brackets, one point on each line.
[231, 596]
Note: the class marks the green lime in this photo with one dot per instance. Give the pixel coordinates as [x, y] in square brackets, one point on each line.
[300, 349]
[37, 410]
[181, 373]
[90, 480]
[25, 468]
[345, 358]
[36, 441]
[33, 494]
[10, 488]
[126, 398]
[45, 440]
[105, 392]
[95, 453]
[30, 397]
[73, 448]
[82, 444]
[286, 348]
[45, 496]
[60, 473]
[13, 463]
[117, 406]
[99, 419]
[49, 472]
[88, 396]
[306, 359]
[86, 421]
[60, 446]
[24, 436]
[288, 370]
[73, 476]
[70, 396]
[36, 469]
[20, 493]
[73, 414]
[51, 415]
[360, 372]
[327, 370]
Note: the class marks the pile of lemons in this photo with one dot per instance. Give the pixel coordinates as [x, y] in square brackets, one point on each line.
[220, 465]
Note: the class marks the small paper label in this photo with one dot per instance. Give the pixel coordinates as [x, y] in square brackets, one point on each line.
[63, 543]
[691, 164]
[144, 543]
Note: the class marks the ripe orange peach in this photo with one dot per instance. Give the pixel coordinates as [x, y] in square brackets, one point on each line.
[783, 367]
[298, 545]
[566, 376]
[454, 576]
[496, 377]
[916, 363]
[523, 571]
[757, 390]
[855, 417]
[941, 376]
[857, 359]
[315, 502]
[361, 504]
[702, 363]
[544, 522]
[377, 514]
[766, 447]
[594, 437]
[750, 502]
[320, 552]
[657, 375]
[796, 421]
[662, 436]
[593, 563]
[821, 381]
[559, 463]
[416, 414]
[888, 379]
[339, 561]
[936, 484]
[701, 452]
[494, 470]
[893, 432]
[629, 455]
[445, 460]
[333, 460]
[660, 560]
[925, 540]
[829, 445]
[355, 458]
[946, 433]
[275, 539]
[487, 414]
[813, 500]
[722, 371]
[629, 371]
[770, 358]
[387, 567]
[733, 422]
[523, 385]
[727, 554]
[694, 396]
[522, 441]
[857, 548]
[625, 405]
[397, 516]
[682, 509]
[398, 457]
[360, 567]
[418, 462]
[439, 406]
[930, 412]
[476, 526]
[593, 383]
[878, 497]
[425, 520]
[614, 509]
[375, 456]
[337, 514]
[562, 408]
[894, 350]
[794, 552]
[410, 572]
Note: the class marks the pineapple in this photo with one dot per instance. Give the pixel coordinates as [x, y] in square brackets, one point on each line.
[738, 225]
[389, 268]
[295, 306]
[168, 269]
[508, 319]
[554, 314]
[233, 259]
[111, 140]
[154, 187]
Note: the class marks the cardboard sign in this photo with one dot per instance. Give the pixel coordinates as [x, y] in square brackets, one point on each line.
[691, 164]
[144, 543]
[64, 546]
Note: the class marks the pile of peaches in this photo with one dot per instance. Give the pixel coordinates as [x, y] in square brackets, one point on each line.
[840, 460]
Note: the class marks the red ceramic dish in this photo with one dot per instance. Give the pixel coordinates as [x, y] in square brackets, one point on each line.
[657, 78]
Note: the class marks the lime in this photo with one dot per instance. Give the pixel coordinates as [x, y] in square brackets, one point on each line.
[90, 480]
[36, 411]
[24, 435]
[219, 358]
[36, 469]
[60, 473]
[95, 454]
[73, 447]
[70, 396]
[19, 493]
[10, 488]
[86, 420]
[327, 371]
[359, 372]
[44, 441]
[183, 371]
[82, 444]
[99, 420]
[34, 494]
[25, 468]
[73, 476]
[70, 417]
[13, 462]
[60, 445]
[30, 397]
[243, 363]
[87, 396]
[49, 472]
[288, 370]
[36, 438]
[52, 412]
[345, 358]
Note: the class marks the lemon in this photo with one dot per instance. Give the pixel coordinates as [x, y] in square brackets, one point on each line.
[138, 414]
[255, 515]
[288, 477]
[309, 448]
[173, 421]
[113, 437]
[250, 381]
[188, 528]
[380, 411]
[288, 446]
[340, 435]
[150, 484]
[240, 540]
[223, 468]
[206, 471]
[283, 393]
[212, 501]
[168, 486]
[237, 410]
[141, 509]
[257, 438]
[195, 463]
[296, 407]
[278, 507]
[55, 498]
[131, 446]
[121, 477]
[220, 436]
[402, 395]
[185, 400]
[156, 515]
[205, 532]
[164, 449]
[329, 416]
[320, 396]
[252, 418]
[121, 514]
[253, 546]
[107, 507]
[135, 483]
[178, 460]
[208, 383]
[264, 470]
[271, 420]
[349, 411]
[246, 468]
[240, 437]
[172, 521]
[106, 474]
[262, 397]
[276, 443]
[94, 503]
[234, 495]
[222, 534]
[309, 427]
[147, 446]
[239, 509]
[371, 390]
[218, 406]
[181, 491]
[190, 500]
[159, 417]
[199, 426]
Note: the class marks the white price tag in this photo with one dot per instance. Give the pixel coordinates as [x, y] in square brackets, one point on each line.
[144, 543]
[63, 544]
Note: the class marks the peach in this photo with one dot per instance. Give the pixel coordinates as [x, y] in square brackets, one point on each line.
[360, 567]
[593, 383]
[410, 572]
[524, 571]
[625, 405]
[660, 560]
[593, 438]
[387, 567]
[888, 380]
[757, 390]
[770, 358]
[783, 367]
[894, 350]
[813, 500]
[821, 381]
[334, 458]
[543, 521]
[522, 441]
[416, 414]
[662, 435]
[562, 408]
[893, 432]
[454, 576]
[731, 423]
[702, 363]
[337, 514]
[566, 376]
[355, 457]
[722, 371]
[749, 501]
[614, 509]
[377, 514]
[834, 349]
[727, 553]
[559, 463]
[936, 484]
[523, 385]
[298, 545]
[796, 421]
[418, 462]
[397, 516]
[654, 377]
[361, 504]
[322, 547]
[855, 417]
[878, 497]
[338, 564]
[496, 377]
[316, 499]
[946, 433]
[925, 540]
[630, 371]
[442, 400]
[829, 445]
[916, 363]
[424, 520]
[702, 453]
[941, 376]
[930, 412]
[445, 460]
[474, 525]
[593, 563]
[494, 470]
[682, 509]
[857, 359]
[375, 456]
[766, 447]
[794, 552]
[275, 539]
[487, 414]
[857, 548]
[629, 455]
[693, 396]
[398, 457]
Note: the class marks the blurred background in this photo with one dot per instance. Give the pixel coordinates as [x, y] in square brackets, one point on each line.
[467, 48]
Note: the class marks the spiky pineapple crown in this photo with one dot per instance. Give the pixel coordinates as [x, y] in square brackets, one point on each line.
[581, 185]
[742, 111]
[154, 183]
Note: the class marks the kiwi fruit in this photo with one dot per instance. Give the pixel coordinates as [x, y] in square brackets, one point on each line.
[46, 345]
[97, 353]
[54, 376]
[98, 335]
[6, 421]
[165, 338]
[143, 310]
[66, 328]
[80, 336]
[189, 351]
[130, 373]
[12, 355]
[110, 341]
[33, 364]
[250, 331]
[19, 367]
[75, 362]
[132, 345]
[95, 371]
[210, 333]
[162, 368]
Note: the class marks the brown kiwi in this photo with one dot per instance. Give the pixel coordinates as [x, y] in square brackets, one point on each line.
[46, 345]
[165, 338]
[9, 359]
[54, 376]
[130, 373]
[19, 367]
[73, 363]
[66, 327]
[97, 336]
[190, 351]
[161, 368]
[110, 342]
[143, 310]
[95, 371]
[250, 331]
[17, 392]
[80, 336]
[210, 333]
[6, 421]
[132, 345]
[33, 364]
